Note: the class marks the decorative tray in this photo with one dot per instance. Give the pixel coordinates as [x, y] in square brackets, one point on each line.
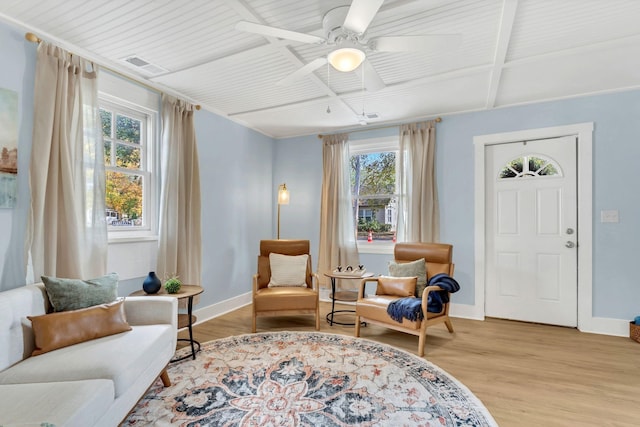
[349, 273]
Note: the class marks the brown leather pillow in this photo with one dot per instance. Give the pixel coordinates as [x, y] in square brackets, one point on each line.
[396, 286]
[57, 330]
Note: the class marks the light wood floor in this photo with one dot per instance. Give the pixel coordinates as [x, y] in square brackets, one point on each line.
[525, 374]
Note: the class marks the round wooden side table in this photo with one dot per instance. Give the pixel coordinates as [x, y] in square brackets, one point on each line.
[184, 320]
[349, 296]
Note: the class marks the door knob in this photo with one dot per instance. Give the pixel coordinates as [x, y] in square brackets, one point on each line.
[570, 244]
[570, 230]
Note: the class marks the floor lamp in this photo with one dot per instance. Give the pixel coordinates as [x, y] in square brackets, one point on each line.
[283, 199]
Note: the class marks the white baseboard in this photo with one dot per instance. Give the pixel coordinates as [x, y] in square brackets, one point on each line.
[466, 311]
[218, 309]
[607, 326]
[596, 325]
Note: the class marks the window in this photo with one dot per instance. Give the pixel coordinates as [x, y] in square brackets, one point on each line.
[127, 133]
[529, 166]
[374, 191]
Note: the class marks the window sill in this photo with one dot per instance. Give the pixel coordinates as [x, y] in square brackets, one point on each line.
[376, 248]
[131, 239]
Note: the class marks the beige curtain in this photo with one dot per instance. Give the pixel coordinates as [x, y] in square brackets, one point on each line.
[418, 212]
[180, 240]
[66, 229]
[337, 233]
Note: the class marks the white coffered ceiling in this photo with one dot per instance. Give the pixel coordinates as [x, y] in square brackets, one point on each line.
[512, 52]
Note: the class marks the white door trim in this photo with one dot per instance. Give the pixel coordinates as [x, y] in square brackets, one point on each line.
[584, 132]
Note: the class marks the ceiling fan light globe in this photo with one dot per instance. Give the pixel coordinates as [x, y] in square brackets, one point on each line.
[346, 59]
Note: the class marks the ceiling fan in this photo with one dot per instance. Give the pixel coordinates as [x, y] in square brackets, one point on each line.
[344, 29]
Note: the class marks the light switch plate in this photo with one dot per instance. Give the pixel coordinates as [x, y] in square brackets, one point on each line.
[609, 216]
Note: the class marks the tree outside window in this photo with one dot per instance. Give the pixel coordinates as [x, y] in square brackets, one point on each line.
[124, 150]
[374, 195]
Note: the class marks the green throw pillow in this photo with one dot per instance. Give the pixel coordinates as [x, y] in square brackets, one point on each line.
[416, 268]
[74, 294]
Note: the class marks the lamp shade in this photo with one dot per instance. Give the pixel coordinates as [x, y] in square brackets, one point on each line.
[283, 195]
[346, 58]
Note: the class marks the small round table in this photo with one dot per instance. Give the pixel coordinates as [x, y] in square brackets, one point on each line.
[184, 320]
[349, 296]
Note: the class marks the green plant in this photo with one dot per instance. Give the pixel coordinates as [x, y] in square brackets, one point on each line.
[173, 285]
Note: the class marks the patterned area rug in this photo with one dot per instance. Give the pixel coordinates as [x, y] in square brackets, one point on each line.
[307, 379]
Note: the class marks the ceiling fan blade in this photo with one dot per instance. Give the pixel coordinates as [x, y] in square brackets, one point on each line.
[265, 30]
[361, 14]
[372, 80]
[303, 71]
[415, 43]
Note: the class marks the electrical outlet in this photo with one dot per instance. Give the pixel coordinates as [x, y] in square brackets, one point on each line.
[609, 216]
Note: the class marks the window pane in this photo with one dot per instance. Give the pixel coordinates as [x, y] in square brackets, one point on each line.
[373, 173]
[373, 187]
[377, 216]
[124, 199]
[528, 166]
[106, 123]
[107, 152]
[127, 157]
[128, 129]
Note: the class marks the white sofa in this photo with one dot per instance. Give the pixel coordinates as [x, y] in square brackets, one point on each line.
[94, 383]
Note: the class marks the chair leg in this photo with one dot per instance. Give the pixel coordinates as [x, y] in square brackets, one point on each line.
[253, 323]
[164, 376]
[421, 342]
[357, 325]
[449, 325]
[317, 318]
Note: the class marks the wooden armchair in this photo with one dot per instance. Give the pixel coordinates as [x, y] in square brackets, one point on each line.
[284, 300]
[373, 308]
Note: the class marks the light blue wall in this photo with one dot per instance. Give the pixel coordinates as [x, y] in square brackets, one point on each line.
[236, 167]
[616, 116]
[298, 163]
[17, 73]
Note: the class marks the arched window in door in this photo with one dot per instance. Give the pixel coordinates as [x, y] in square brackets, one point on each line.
[530, 166]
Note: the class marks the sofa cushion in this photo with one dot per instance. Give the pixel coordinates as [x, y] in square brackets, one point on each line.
[288, 270]
[396, 286]
[57, 330]
[119, 358]
[416, 268]
[72, 403]
[73, 294]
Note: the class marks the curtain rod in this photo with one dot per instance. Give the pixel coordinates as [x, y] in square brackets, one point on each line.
[437, 120]
[35, 39]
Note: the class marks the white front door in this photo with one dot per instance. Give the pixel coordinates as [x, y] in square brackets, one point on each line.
[531, 231]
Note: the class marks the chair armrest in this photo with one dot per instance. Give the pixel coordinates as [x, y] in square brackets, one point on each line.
[151, 310]
[363, 284]
[425, 296]
[255, 283]
[315, 282]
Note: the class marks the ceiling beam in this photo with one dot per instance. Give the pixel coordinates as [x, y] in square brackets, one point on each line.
[400, 85]
[509, 8]
[242, 8]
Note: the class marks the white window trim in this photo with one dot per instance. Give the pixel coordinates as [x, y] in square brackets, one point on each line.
[366, 146]
[152, 161]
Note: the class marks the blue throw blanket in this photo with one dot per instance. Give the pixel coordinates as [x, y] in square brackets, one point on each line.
[410, 307]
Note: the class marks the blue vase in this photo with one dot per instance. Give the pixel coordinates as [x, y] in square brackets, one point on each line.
[151, 284]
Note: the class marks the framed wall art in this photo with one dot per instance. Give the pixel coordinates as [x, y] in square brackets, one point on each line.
[8, 148]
